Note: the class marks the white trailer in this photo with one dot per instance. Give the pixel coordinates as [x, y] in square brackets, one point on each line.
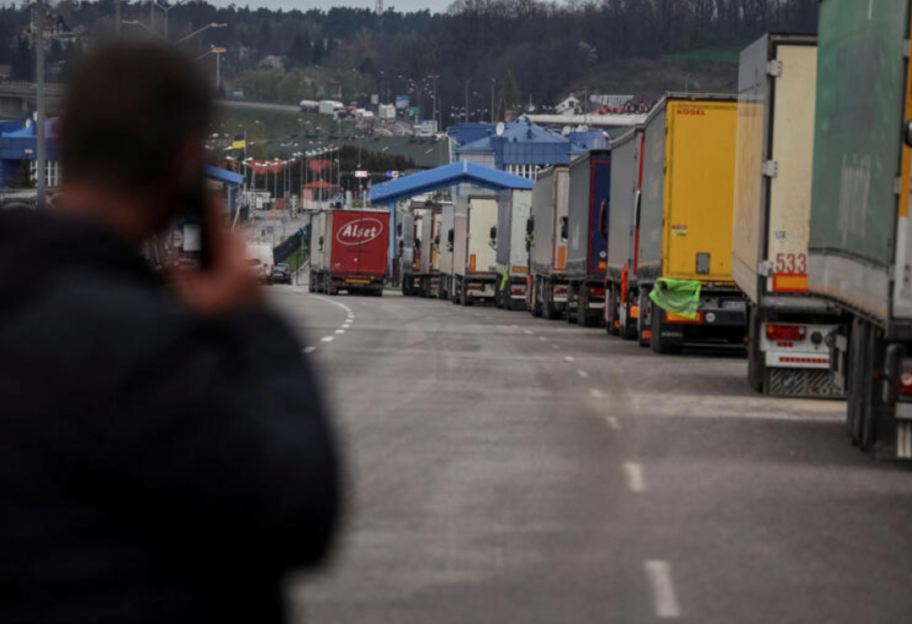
[447, 238]
[475, 259]
[774, 168]
[427, 267]
[514, 208]
[548, 257]
[317, 249]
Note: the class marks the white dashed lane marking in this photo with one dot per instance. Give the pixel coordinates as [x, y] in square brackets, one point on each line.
[328, 339]
[309, 349]
[663, 593]
[634, 474]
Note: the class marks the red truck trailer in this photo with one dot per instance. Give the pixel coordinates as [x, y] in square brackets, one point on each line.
[355, 252]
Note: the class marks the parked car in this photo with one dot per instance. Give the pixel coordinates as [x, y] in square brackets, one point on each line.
[281, 274]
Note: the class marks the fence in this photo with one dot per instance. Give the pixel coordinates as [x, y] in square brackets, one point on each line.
[292, 252]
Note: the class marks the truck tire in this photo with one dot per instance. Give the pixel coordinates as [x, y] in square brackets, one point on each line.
[756, 363]
[547, 310]
[536, 308]
[658, 345]
[463, 294]
[311, 283]
[583, 313]
[644, 322]
[628, 330]
[611, 307]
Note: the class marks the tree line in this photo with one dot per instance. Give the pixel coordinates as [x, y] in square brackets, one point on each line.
[534, 50]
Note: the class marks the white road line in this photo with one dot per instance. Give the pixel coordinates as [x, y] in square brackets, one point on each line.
[340, 331]
[666, 603]
[596, 393]
[614, 423]
[634, 474]
[346, 325]
[528, 331]
[327, 339]
[335, 303]
[543, 338]
[570, 358]
[582, 373]
[309, 349]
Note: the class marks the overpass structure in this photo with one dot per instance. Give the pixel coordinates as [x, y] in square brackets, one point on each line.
[17, 99]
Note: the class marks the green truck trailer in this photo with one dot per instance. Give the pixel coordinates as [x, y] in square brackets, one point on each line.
[860, 258]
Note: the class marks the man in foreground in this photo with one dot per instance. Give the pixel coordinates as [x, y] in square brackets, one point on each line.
[165, 456]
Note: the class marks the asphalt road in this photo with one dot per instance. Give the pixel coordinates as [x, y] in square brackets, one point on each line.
[508, 469]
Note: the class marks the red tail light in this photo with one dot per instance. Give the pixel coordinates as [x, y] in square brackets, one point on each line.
[786, 332]
[905, 383]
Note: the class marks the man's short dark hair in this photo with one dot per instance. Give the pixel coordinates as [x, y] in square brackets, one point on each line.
[130, 107]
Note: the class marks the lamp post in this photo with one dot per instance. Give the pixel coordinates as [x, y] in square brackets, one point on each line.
[200, 30]
[467, 100]
[167, 10]
[41, 156]
[434, 77]
[493, 108]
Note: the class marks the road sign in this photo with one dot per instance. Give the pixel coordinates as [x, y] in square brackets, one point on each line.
[361, 174]
[392, 174]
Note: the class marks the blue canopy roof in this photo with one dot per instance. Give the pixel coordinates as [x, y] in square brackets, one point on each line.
[463, 172]
[223, 175]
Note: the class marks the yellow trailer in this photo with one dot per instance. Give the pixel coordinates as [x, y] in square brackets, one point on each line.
[686, 218]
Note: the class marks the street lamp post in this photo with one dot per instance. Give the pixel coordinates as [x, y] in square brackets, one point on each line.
[198, 31]
[467, 100]
[41, 158]
[493, 108]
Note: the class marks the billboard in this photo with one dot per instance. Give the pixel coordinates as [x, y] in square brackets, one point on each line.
[402, 101]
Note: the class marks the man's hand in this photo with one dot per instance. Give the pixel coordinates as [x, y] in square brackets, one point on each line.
[228, 285]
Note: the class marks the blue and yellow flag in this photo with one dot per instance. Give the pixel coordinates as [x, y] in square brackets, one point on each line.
[240, 142]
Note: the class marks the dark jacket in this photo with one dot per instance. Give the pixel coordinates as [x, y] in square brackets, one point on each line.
[154, 467]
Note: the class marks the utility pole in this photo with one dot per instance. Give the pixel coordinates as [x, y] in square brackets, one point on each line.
[467, 100]
[493, 87]
[41, 160]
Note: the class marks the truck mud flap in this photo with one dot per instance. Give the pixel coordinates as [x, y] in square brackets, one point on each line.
[802, 383]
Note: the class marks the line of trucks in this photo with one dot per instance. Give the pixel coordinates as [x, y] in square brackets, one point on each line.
[783, 209]
[787, 203]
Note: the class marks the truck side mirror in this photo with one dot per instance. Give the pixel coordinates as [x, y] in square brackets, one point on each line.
[437, 242]
[530, 226]
[417, 243]
[450, 238]
[564, 226]
[399, 229]
[908, 136]
[493, 233]
[320, 243]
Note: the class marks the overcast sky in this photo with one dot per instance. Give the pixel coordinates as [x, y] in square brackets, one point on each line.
[435, 6]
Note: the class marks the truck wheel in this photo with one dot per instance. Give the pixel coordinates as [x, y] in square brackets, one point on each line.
[628, 330]
[311, 283]
[463, 294]
[658, 345]
[546, 306]
[611, 307]
[583, 316]
[756, 364]
[644, 322]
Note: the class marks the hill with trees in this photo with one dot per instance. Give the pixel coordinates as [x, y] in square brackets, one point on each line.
[528, 51]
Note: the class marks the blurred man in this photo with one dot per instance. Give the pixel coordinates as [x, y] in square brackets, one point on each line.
[164, 452]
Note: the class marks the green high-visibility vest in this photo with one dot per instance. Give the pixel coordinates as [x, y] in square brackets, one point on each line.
[506, 278]
[681, 297]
